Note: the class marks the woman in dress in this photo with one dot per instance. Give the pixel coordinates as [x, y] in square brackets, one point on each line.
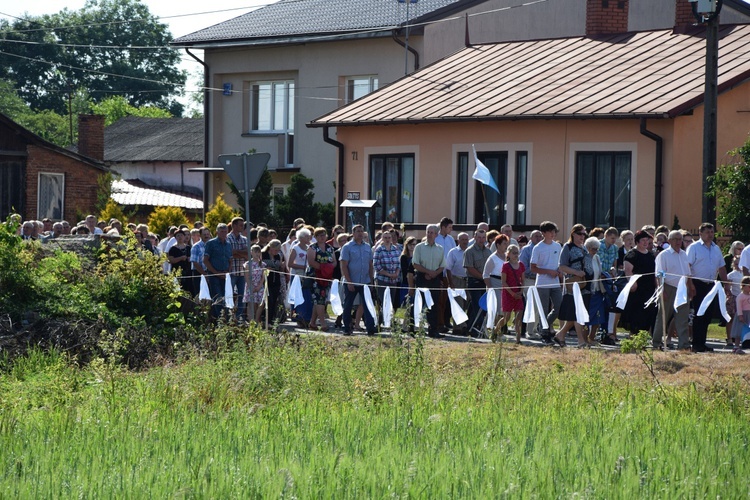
[492, 273]
[179, 257]
[597, 304]
[298, 267]
[321, 262]
[274, 261]
[640, 261]
[407, 282]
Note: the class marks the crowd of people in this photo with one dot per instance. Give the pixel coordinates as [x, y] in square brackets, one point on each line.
[651, 279]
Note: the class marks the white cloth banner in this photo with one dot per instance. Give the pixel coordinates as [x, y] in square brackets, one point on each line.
[204, 294]
[336, 305]
[419, 303]
[655, 297]
[491, 308]
[459, 315]
[295, 295]
[369, 303]
[718, 289]
[622, 299]
[681, 297]
[387, 308]
[228, 292]
[529, 314]
[582, 315]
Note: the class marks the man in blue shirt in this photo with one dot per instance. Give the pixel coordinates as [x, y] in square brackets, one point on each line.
[357, 270]
[216, 257]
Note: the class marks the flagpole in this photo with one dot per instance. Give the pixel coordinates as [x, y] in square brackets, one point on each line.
[486, 205]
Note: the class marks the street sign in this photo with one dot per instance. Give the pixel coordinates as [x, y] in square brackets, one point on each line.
[234, 165]
[352, 195]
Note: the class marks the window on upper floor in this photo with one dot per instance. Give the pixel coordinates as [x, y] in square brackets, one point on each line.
[603, 189]
[272, 106]
[358, 86]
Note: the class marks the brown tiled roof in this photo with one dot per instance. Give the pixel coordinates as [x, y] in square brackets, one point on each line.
[644, 74]
[127, 194]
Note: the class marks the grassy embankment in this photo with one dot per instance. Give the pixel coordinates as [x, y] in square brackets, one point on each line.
[333, 418]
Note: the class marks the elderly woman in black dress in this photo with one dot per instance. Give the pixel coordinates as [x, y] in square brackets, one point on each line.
[639, 260]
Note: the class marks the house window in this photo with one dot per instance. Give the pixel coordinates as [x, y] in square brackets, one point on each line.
[392, 184]
[489, 206]
[278, 192]
[359, 86]
[50, 196]
[11, 192]
[522, 171]
[603, 189]
[272, 111]
[462, 187]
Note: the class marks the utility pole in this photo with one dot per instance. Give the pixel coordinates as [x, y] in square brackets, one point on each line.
[707, 12]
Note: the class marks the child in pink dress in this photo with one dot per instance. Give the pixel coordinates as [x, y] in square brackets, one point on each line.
[512, 290]
[742, 317]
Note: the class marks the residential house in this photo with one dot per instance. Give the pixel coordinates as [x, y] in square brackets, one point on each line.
[274, 69]
[603, 130]
[158, 152]
[39, 179]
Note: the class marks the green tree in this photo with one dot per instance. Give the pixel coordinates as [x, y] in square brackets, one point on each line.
[117, 107]
[113, 211]
[260, 201]
[94, 48]
[49, 126]
[298, 202]
[731, 187]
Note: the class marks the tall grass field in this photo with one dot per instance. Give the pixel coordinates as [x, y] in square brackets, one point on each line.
[365, 418]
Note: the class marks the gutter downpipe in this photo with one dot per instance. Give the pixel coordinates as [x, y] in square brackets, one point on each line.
[206, 108]
[409, 48]
[659, 165]
[340, 176]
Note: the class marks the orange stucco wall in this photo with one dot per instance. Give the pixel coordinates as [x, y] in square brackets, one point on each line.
[552, 145]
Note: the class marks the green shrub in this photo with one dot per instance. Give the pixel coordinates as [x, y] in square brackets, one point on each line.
[219, 212]
[163, 217]
[113, 211]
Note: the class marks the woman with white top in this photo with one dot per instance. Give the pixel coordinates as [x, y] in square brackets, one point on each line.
[298, 265]
[492, 273]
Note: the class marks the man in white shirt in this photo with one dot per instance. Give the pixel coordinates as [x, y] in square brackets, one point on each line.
[445, 240]
[673, 262]
[456, 274]
[706, 260]
[545, 258]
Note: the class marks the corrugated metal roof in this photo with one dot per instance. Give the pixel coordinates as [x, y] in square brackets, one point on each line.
[135, 138]
[651, 73]
[304, 17]
[127, 194]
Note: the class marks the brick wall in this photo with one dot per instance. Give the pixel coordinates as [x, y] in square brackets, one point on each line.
[80, 182]
[606, 16]
[91, 136]
[683, 17]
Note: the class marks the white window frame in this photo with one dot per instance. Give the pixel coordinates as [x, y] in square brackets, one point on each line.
[41, 215]
[370, 80]
[286, 127]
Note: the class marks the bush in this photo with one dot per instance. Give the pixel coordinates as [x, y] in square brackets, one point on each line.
[219, 212]
[163, 217]
[113, 211]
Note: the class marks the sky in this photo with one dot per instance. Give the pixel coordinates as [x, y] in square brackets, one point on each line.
[193, 15]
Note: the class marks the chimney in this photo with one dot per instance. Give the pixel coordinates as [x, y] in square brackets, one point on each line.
[683, 16]
[605, 17]
[91, 136]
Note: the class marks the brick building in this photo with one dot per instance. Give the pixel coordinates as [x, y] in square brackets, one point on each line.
[39, 179]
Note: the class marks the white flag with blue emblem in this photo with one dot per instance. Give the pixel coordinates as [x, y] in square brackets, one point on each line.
[482, 173]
